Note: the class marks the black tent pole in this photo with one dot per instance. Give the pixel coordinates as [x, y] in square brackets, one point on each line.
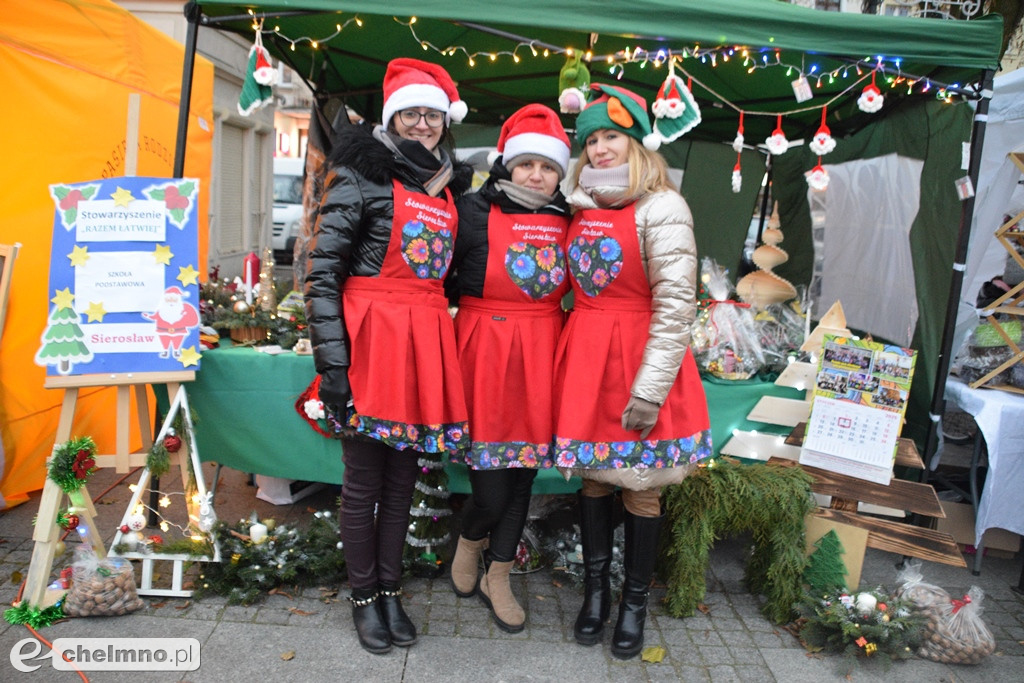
[959, 265]
[192, 13]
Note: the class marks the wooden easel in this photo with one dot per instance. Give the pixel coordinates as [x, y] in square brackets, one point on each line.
[46, 530]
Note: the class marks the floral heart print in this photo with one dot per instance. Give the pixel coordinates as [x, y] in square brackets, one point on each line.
[594, 263]
[537, 271]
[427, 252]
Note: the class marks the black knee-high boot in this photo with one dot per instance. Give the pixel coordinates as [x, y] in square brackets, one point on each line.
[640, 557]
[596, 538]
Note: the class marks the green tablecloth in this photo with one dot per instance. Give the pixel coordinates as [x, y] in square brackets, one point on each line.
[244, 402]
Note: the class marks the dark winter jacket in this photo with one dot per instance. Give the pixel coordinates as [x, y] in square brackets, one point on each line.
[352, 234]
[469, 263]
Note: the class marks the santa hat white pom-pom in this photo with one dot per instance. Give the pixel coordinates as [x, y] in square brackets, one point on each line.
[492, 156]
[458, 111]
[652, 142]
[571, 101]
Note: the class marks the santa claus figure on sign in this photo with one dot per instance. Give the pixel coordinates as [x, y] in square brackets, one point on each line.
[174, 318]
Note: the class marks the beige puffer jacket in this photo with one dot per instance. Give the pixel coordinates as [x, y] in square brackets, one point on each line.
[664, 228]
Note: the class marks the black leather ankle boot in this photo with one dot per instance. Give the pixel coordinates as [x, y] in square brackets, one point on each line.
[596, 538]
[370, 627]
[641, 554]
[401, 628]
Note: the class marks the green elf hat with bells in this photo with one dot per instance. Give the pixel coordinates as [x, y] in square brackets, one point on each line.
[615, 108]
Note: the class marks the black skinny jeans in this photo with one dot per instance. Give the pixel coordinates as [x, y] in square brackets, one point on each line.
[498, 507]
[376, 475]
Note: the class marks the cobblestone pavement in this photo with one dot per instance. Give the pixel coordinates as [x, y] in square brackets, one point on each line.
[732, 641]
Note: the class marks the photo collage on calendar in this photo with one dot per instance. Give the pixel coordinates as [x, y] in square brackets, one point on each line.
[866, 373]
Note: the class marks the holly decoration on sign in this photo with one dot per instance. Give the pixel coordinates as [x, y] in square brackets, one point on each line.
[176, 197]
[72, 463]
[66, 197]
[67, 520]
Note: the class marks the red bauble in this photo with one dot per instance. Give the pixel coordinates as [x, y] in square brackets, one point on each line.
[125, 528]
[172, 442]
[71, 522]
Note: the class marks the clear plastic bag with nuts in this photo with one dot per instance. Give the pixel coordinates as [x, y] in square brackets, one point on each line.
[101, 587]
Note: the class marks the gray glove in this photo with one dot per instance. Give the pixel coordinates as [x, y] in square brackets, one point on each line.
[640, 415]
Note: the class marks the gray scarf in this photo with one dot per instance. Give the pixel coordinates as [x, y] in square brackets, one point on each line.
[524, 196]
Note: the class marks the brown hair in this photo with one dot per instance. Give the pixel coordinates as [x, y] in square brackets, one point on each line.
[648, 171]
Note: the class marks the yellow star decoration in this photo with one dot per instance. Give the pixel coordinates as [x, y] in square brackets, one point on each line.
[188, 275]
[122, 197]
[162, 254]
[79, 255]
[63, 299]
[95, 311]
[189, 357]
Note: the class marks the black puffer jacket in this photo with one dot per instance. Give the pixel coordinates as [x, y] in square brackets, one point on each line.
[351, 237]
[469, 263]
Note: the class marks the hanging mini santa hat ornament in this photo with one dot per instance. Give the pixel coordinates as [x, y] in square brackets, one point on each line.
[871, 98]
[776, 142]
[737, 177]
[822, 142]
[675, 110]
[412, 83]
[264, 72]
[817, 177]
[737, 143]
[531, 132]
[573, 84]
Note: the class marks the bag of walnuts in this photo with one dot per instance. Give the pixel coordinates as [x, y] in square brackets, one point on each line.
[101, 587]
[955, 633]
[913, 589]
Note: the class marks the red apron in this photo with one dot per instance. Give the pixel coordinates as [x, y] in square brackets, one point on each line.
[507, 341]
[601, 349]
[404, 373]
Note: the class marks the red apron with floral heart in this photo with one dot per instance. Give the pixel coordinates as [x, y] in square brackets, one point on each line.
[405, 377]
[507, 341]
[601, 349]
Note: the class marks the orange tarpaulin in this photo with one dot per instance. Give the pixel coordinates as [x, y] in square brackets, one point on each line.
[69, 67]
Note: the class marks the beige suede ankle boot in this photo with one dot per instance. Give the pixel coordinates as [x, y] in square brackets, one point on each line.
[496, 593]
[466, 566]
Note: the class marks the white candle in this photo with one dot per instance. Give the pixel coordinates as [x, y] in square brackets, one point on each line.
[258, 532]
[248, 286]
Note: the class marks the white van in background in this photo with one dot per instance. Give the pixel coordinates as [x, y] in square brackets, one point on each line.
[287, 206]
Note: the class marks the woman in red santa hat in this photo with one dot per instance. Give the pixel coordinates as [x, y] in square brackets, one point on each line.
[509, 278]
[630, 408]
[383, 341]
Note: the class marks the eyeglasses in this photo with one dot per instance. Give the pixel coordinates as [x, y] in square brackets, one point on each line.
[411, 117]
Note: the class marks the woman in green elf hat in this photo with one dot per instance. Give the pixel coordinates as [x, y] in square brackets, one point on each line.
[630, 408]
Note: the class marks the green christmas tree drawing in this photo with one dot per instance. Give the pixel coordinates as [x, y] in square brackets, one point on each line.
[429, 517]
[825, 570]
[62, 341]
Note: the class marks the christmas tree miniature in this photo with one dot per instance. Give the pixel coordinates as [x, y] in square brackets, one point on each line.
[825, 570]
[428, 526]
[763, 287]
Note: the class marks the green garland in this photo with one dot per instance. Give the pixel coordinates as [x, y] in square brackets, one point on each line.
[867, 624]
[726, 498]
[23, 613]
[289, 556]
[72, 463]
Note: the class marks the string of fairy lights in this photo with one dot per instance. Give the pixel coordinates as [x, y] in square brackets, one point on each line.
[752, 59]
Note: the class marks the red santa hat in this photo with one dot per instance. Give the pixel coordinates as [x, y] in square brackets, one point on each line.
[534, 131]
[175, 291]
[414, 83]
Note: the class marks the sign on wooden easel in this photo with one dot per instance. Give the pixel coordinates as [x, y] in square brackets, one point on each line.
[122, 269]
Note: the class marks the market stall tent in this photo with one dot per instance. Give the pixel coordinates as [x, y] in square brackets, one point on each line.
[69, 68]
[740, 59]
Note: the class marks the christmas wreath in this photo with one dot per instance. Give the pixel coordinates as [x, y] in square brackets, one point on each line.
[72, 463]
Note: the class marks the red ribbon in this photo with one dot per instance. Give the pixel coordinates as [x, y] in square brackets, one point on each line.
[957, 604]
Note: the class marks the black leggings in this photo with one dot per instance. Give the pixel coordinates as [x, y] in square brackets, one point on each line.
[498, 507]
[376, 475]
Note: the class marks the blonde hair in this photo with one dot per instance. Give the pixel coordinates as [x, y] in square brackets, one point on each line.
[648, 171]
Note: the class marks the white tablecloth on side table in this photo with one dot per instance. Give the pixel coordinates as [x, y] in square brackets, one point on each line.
[1000, 416]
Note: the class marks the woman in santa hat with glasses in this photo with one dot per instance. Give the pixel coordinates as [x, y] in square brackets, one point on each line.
[509, 278]
[383, 341]
[630, 408]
